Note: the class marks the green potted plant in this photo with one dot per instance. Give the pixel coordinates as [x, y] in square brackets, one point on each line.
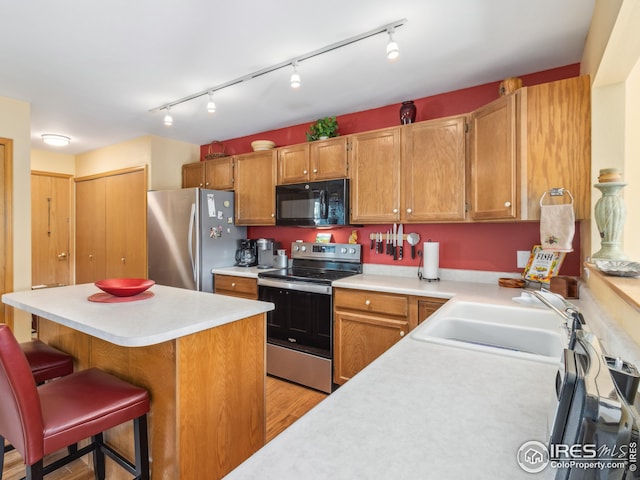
[323, 128]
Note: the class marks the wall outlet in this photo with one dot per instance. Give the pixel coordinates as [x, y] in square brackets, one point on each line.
[522, 258]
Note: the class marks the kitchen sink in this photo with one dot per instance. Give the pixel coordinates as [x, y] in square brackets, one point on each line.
[527, 333]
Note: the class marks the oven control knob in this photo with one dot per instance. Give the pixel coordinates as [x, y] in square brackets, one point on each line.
[352, 251]
[343, 250]
[296, 248]
[303, 248]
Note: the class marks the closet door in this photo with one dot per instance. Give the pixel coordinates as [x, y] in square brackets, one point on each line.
[90, 230]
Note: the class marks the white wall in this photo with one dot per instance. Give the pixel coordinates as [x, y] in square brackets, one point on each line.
[15, 123]
[53, 162]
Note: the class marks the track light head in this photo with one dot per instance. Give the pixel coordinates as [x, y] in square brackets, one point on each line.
[211, 105]
[295, 76]
[392, 46]
[168, 119]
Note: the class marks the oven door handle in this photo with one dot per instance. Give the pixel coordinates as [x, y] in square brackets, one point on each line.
[297, 286]
[324, 206]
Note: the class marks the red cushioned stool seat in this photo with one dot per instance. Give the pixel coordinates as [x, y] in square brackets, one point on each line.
[39, 420]
[45, 361]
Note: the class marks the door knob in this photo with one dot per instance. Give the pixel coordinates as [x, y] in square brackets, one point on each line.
[62, 256]
[507, 204]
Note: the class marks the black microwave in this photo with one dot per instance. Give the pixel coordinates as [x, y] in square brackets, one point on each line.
[313, 204]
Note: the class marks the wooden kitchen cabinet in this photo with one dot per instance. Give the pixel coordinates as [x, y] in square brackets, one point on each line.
[524, 144]
[493, 161]
[375, 176]
[557, 150]
[366, 324]
[255, 180]
[216, 174]
[235, 286]
[111, 237]
[314, 161]
[427, 307]
[433, 171]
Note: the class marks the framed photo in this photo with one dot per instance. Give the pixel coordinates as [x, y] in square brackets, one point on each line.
[542, 265]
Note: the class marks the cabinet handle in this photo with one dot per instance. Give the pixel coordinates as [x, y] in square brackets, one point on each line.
[273, 215]
[401, 333]
[62, 256]
[90, 257]
[305, 172]
[315, 170]
[123, 260]
[367, 302]
[507, 204]
[207, 184]
[409, 210]
[395, 210]
[233, 285]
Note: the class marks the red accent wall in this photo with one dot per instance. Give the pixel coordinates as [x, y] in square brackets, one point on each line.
[469, 246]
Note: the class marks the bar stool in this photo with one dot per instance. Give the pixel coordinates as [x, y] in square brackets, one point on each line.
[45, 361]
[39, 420]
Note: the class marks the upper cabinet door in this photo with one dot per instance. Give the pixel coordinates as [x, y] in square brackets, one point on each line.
[433, 170]
[218, 173]
[255, 197]
[375, 176]
[328, 158]
[293, 164]
[494, 161]
[193, 175]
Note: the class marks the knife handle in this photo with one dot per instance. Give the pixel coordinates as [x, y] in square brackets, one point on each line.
[400, 253]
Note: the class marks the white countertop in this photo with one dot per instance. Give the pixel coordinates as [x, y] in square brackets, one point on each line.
[420, 411]
[171, 313]
[423, 410]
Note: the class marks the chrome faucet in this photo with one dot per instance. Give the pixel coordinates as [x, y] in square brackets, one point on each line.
[573, 319]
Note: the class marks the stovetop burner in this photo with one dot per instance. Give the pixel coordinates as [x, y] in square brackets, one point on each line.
[319, 263]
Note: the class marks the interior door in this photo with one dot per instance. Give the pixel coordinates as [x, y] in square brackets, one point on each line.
[50, 229]
[6, 232]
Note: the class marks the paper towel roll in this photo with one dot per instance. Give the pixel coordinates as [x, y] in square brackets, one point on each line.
[431, 251]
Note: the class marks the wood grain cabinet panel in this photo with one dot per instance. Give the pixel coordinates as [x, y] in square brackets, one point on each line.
[314, 161]
[216, 174]
[255, 201]
[374, 170]
[235, 286]
[433, 170]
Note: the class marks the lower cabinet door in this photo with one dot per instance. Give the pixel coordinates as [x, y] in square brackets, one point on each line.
[359, 339]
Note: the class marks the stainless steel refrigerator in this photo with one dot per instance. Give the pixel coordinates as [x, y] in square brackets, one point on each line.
[189, 232]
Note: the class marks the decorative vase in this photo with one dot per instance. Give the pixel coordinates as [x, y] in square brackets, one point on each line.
[610, 213]
[407, 113]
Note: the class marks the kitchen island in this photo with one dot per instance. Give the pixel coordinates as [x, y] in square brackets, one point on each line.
[200, 355]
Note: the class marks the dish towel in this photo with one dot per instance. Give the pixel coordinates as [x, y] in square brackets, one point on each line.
[557, 225]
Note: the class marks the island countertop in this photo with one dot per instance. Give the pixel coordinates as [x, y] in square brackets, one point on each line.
[169, 314]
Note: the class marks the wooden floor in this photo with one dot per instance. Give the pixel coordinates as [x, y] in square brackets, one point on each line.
[286, 403]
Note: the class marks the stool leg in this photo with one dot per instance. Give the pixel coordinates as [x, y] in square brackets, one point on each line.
[98, 456]
[141, 440]
[35, 471]
[2, 459]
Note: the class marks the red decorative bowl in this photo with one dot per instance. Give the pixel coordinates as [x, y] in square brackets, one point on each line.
[124, 287]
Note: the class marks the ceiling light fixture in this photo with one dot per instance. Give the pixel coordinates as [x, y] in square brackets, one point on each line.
[168, 119]
[295, 76]
[56, 140]
[392, 46]
[388, 28]
[211, 105]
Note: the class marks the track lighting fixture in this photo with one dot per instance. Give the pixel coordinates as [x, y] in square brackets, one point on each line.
[392, 46]
[211, 105]
[55, 140]
[168, 119]
[295, 81]
[295, 76]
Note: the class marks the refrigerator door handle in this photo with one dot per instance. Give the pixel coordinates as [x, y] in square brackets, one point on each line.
[192, 222]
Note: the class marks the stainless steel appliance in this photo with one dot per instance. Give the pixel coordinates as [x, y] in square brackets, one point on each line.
[247, 253]
[595, 427]
[266, 252]
[189, 232]
[300, 329]
[313, 204]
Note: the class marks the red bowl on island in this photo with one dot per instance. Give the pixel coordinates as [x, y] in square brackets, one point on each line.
[124, 287]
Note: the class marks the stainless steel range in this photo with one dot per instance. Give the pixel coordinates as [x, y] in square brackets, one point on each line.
[300, 329]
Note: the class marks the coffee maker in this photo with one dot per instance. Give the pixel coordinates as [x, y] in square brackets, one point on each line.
[266, 251]
[246, 255]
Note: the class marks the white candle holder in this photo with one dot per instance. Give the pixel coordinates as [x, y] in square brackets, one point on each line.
[610, 213]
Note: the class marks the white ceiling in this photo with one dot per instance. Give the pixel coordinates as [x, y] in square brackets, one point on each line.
[92, 70]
